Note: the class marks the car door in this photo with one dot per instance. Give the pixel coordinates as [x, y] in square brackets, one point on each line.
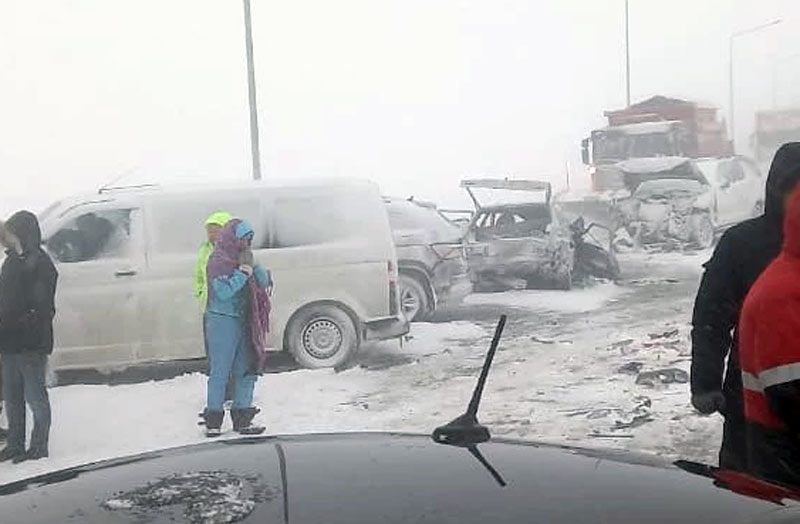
[98, 250]
[176, 226]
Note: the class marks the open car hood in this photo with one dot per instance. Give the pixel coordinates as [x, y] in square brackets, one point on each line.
[524, 191]
[639, 170]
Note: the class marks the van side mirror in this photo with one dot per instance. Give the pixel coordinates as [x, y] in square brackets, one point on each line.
[585, 151]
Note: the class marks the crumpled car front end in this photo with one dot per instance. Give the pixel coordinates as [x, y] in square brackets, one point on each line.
[668, 212]
[543, 260]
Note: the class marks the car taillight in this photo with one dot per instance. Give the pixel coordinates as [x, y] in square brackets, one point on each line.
[394, 295]
[448, 251]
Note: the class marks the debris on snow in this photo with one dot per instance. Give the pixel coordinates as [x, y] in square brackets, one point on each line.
[635, 422]
[667, 334]
[631, 368]
[662, 376]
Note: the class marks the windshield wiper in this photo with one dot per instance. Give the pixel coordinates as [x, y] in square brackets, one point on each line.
[465, 430]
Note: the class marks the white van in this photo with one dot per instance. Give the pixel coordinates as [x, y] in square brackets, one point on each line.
[126, 260]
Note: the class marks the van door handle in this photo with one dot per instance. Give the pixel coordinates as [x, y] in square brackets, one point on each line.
[125, 273]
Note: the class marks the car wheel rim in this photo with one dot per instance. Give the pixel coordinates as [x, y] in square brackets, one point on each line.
[411, 303]
[322, 338]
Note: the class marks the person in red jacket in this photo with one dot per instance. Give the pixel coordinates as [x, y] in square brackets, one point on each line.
[769, 351]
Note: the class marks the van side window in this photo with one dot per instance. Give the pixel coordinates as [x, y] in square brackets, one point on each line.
[179, 225]
[93, 236]
[310, 220]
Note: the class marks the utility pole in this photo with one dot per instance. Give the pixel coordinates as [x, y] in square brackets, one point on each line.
[627, 58]
[731, 97]
[251, 90]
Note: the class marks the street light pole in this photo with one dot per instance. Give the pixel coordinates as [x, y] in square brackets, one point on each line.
[251, 90]
[731, 97]
[627, 58]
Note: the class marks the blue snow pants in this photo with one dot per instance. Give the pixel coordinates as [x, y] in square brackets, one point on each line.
[229, 357]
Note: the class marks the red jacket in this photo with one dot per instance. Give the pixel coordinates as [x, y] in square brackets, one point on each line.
[769, 344]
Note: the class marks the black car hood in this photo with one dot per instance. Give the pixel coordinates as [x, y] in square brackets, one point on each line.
[369, 478]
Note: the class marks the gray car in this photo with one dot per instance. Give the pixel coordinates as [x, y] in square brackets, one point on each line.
[430, 254]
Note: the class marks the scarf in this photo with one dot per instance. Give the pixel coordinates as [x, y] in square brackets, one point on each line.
[228, 255]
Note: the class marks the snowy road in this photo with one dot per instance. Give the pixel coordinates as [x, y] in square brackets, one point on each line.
[566, 371]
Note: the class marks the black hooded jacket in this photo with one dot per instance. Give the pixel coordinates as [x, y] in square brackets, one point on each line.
[743, 253]
[27, 291]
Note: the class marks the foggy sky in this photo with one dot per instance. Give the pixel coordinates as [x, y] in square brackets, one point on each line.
[413, 94]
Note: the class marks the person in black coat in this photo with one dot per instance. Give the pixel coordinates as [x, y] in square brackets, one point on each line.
[27, 307]
[743, 253]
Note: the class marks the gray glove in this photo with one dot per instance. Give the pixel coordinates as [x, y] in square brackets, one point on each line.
[708, 403]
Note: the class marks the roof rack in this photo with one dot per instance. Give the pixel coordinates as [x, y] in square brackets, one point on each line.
[111, 189]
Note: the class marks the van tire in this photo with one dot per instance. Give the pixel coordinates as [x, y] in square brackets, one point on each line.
[322, 336]
[412, 291]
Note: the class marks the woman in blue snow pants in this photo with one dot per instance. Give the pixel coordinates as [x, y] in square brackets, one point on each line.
[228, 330]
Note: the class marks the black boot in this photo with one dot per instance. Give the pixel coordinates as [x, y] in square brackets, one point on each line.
[31, 454]
[214, 422]
[243, 421]
[7, 454]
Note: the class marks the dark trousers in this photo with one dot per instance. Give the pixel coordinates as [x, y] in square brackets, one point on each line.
[24, 381]
[733, 453]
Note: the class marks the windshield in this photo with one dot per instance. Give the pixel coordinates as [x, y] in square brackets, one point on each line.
[611, 146]
[270, 220]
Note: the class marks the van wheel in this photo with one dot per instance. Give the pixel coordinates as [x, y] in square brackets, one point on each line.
[413, 299]
[322, 336]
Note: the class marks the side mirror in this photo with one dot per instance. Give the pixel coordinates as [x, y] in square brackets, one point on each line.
[585, 151]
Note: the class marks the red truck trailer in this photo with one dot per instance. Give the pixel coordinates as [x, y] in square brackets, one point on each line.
[656, 127]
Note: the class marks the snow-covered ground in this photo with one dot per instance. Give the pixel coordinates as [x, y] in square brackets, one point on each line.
[566, 371]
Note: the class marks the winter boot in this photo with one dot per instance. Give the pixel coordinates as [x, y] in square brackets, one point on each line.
[243, 421]
[31, 454]
[10, 454]
[214, 422]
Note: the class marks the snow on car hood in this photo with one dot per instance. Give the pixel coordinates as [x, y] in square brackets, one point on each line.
[669, 188]
[640, 170]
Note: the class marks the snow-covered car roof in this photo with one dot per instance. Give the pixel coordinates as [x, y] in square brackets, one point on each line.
[135, 193]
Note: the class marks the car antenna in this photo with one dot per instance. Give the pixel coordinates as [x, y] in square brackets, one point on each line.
[119, 176]
[466, 430]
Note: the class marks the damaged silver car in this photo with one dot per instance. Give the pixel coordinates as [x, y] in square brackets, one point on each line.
[671, 204]
[522, 242]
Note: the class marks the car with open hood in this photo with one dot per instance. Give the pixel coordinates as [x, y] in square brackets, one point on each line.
[682, 201]
[518, 239]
